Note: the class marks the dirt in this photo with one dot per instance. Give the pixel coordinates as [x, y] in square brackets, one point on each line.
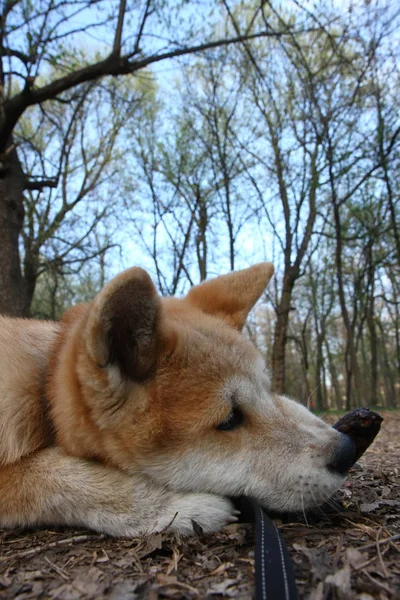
[347, 550]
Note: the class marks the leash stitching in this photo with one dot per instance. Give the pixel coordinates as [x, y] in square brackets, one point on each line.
[263, 579]
[287, 595]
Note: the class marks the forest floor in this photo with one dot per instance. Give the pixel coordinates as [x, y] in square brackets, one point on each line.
[353, 553]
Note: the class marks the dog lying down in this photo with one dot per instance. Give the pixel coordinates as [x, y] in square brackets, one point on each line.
[137, 413]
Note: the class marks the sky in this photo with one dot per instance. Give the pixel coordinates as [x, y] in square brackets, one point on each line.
[251, 246]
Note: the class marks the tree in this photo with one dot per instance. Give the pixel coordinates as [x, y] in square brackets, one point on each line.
[353, 134]
[215, 109]
[333, 89]
[285, 132]
[70, 153]
[287, 150]
[56, 290]
[37, 36]
[170, 195]
[189, 164]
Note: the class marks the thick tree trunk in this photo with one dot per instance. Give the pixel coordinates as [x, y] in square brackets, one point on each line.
[13, 298]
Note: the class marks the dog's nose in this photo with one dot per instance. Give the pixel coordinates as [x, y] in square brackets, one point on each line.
[344, 454]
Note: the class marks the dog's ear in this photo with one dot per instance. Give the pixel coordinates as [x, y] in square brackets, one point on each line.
[232, 296]
[123, 327]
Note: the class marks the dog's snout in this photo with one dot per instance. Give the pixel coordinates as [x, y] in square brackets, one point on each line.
[343, 454]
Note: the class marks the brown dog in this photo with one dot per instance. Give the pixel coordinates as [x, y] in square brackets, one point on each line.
[137, 413]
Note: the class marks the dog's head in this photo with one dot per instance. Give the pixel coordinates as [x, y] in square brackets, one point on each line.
[171, 388]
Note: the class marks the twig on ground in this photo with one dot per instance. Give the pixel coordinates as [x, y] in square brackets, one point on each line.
[38, 549]
[57, 569]
[380, 585]
[387, 540]
[379, 553]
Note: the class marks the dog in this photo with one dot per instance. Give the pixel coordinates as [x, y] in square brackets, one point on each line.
[136, 414]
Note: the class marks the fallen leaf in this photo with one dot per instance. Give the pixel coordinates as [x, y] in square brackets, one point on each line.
[341, 582]
[5, 580]
[124, 590]
[318, 592]
[355, 558]
[367, 508]
[223, 588]
[221, 568]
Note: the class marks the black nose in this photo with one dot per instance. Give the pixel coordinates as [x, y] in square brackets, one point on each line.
[344, 454]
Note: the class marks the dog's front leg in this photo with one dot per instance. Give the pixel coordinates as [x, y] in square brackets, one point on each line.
[50, 488]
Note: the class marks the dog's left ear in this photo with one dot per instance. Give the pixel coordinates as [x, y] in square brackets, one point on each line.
[124, 325]
[232, 296]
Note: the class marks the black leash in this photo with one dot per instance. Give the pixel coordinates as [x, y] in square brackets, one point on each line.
[273, 568]
[274, 573]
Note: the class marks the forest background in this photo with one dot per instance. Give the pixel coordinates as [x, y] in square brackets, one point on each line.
[193, 138]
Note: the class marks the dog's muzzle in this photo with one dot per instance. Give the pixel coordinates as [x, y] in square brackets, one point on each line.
[344, 455]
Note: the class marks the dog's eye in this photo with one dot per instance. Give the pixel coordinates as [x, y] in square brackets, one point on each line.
[234, 420]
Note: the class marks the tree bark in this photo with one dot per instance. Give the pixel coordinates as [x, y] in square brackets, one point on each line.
[201, 239]
[319, 381]
[337, 399]
[13, 297]
[280, 337]
[389, 383]
[373, 338]
[351, 363]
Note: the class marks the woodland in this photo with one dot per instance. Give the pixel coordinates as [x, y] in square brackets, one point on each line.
[195, 137]
[192, 138]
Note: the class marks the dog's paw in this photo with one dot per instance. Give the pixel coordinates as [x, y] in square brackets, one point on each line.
[198, 513]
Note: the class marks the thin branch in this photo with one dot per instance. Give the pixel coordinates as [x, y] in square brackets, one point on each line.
[120, 25]
[39, 183]
[25, 58]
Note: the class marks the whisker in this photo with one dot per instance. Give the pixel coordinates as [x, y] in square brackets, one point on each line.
[304, 512]
[336, 507]
[323, 513]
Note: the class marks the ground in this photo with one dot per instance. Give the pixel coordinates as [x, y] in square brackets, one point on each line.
[350, 550]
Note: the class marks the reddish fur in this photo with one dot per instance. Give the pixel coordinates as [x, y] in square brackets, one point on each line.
[165, 397]
[176, 401]
[229, 296]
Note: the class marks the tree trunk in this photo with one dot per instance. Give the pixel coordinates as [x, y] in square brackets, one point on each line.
[389, 383]
[351, 363]
[280, 337]
[306, 364]
[13, 297]
[373, 340]
[337, 393]
[319, 397]
[201, 239]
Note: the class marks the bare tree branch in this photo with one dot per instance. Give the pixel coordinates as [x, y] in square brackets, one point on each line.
[112, 65]
[120, 25]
